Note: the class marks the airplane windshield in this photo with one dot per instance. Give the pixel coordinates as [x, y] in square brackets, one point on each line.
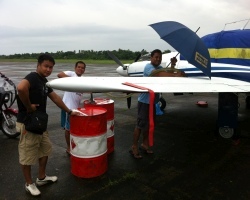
[145, 57]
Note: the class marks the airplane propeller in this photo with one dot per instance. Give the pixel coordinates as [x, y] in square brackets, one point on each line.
[116, 60]
[139, 56]
[111, 55]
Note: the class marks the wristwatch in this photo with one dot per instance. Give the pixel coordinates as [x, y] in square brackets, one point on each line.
[70, 111]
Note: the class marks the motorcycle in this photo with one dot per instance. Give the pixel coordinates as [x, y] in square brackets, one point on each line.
[8, 115]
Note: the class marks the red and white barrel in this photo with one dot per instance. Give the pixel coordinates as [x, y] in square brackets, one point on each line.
[88, 142]
[108, 104]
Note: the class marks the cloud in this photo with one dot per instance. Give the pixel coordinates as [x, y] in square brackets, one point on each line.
[54, 25]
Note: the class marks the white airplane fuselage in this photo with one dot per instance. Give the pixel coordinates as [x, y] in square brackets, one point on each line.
[238, 72]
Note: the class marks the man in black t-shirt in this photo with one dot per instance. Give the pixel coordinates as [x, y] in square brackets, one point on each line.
[33, 148]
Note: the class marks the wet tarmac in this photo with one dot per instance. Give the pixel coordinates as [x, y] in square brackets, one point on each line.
[190, 160]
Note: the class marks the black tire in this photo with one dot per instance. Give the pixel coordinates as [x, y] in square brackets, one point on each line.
[9, 131]
[228, 133]
[163, 103]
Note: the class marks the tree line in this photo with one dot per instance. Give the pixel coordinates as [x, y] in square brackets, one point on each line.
[82, 54]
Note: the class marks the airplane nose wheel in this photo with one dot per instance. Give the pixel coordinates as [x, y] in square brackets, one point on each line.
[226, 132]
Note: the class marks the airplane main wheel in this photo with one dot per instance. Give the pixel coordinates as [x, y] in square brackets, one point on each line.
[226, 132]
[162, 103]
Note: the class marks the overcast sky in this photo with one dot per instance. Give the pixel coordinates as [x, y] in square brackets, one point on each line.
[34, 26]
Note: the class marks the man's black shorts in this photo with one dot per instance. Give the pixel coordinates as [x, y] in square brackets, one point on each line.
[143, 115]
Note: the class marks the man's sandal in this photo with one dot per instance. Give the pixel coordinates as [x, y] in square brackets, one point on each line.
[135, 156]
[146, 151]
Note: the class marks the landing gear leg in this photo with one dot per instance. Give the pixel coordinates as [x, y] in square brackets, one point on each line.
[163, 103]
[248, 102]
[227, 123]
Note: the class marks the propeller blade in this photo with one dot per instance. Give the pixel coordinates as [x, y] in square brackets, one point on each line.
[139, 56]
[116, 59]
[129, 101]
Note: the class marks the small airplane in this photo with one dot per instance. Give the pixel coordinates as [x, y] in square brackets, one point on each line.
[229, 52]
[226, 79]
[235, 65]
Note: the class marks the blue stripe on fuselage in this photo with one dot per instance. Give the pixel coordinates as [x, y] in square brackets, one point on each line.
[237, 73]
[220, 68]
[136, 74]
[242, 76]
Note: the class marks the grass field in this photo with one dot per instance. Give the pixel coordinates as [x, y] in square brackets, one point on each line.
[68, 61]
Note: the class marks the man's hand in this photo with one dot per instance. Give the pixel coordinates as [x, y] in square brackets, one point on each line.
[32, 108]
[77, 113]
[173, 62]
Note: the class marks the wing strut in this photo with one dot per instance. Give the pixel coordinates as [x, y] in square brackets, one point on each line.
[151, 110]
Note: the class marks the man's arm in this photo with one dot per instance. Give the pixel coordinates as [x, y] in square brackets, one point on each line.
[168, 72]
[62, 75]
[58, 101]
[23, 93]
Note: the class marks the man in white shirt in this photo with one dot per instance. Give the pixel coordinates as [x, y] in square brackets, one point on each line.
[71, 99]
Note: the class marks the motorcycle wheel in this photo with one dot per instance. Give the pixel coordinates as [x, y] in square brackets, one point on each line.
[10, 131]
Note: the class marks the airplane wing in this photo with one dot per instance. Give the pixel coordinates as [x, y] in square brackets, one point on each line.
[151, 85]
[156, 84]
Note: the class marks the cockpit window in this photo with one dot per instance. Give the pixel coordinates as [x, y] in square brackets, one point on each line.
[145, 57]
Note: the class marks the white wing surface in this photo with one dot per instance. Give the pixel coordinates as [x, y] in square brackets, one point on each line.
[157, 84]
